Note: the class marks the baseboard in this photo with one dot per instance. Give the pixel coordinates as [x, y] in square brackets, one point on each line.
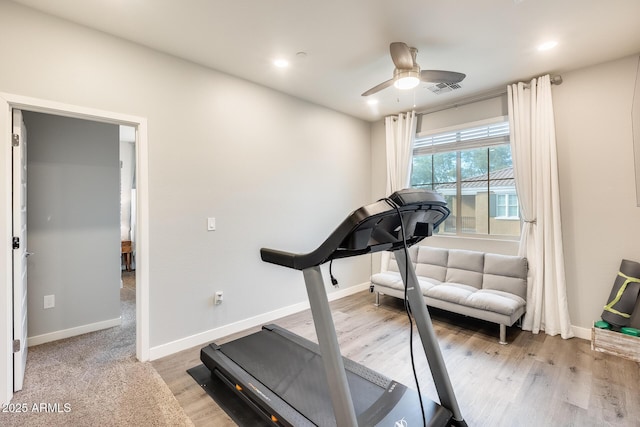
[72, 332]
[176, 346]
[580, 332]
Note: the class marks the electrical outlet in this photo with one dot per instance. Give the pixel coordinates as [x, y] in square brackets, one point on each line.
[49, 301]
[218, 297]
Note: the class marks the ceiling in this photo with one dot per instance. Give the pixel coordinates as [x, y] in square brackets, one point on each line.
[346, 42]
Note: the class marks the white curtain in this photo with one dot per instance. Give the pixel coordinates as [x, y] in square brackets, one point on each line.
[533, 148]
[127, 176]
[134, 213]
[400, 136]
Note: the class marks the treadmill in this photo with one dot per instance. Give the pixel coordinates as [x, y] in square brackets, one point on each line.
[291, 381]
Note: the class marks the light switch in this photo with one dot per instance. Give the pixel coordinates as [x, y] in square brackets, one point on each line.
[49, 301]
[211, 224]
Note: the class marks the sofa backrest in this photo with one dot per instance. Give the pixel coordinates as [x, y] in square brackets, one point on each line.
[466, 267]
[478, 269]
[393, 266]
[506, 273]
[432, 263]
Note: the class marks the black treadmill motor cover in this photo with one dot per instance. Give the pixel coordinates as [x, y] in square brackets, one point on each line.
[373, 228]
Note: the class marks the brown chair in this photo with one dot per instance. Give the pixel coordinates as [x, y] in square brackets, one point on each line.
[127, 253]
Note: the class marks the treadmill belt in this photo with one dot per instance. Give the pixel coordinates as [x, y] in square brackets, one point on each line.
[297, 375]
[231, 404]
[287, 374]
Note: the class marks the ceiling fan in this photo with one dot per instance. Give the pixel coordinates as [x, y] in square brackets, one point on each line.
[407, 74]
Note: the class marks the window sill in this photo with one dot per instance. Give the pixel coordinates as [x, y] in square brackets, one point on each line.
[477, 237]
[482, 244]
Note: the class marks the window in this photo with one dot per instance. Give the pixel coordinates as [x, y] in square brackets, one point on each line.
[507, 206]
[471, 167]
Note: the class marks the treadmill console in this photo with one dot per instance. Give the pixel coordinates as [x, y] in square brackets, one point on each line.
[373, 228]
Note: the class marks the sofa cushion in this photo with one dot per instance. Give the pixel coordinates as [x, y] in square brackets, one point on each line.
[497, 301]
[505, 273]
[453, 292]
[392, 280]
[465, 267]
[389, 279]
[432, 262]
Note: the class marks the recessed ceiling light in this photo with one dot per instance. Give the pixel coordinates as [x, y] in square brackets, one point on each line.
[281, 63]
[372, 101]
[547, 45]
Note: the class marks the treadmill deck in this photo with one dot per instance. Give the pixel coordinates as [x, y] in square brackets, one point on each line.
[281, 375]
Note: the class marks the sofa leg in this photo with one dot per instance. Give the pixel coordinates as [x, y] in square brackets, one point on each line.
[377, 303]
[503, 335]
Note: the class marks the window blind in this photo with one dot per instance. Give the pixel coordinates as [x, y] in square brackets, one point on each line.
[462, 139]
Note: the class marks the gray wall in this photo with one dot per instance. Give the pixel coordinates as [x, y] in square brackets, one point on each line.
[273, 170]
[597, 186]
[73, 220]
[600, 219]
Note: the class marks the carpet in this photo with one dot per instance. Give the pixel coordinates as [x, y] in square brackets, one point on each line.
[94, 380]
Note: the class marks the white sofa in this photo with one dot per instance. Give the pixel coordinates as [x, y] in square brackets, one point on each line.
[486, 286]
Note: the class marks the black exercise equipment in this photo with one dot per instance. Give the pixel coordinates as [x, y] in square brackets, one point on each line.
[294, 382]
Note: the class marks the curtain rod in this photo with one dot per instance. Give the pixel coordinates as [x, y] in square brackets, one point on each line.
[555, 80]
[465, 101]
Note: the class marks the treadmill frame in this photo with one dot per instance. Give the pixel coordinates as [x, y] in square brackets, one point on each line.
[329, 348]
[332, 358]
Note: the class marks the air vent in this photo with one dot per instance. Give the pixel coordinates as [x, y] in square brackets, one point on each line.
[444, 87]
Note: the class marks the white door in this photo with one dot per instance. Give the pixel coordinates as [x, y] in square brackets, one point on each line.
[20, 253]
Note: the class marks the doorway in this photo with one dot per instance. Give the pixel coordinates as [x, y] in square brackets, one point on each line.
[127, 139]
[73, 226]
[128, 224]
[11, 102]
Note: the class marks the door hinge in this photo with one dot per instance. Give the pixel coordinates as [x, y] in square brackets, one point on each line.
[16, 346]
[15, 140]
[16, 243]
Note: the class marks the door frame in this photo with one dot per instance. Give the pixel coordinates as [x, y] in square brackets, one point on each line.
[7, 103]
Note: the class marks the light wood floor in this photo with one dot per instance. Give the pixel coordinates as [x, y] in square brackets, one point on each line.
[535, 380]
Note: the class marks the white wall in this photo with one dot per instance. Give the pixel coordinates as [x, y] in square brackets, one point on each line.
[73, 222]
[378, 174]
[273, 170]
[378, 160]
[600, 219]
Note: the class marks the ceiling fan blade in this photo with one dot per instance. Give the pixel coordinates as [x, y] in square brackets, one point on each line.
[439, 76]
[379, 87]
[401, 55]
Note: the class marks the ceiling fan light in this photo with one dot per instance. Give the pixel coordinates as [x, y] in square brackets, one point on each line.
[406, 80]
[405, 83]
